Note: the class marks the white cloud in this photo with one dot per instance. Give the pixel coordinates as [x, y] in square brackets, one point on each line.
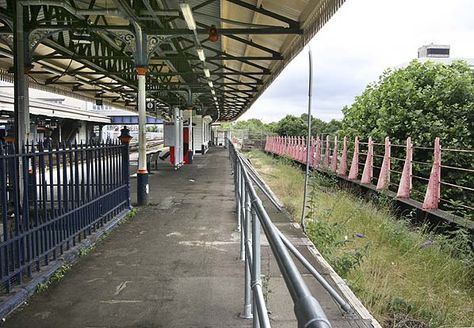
[363, 39]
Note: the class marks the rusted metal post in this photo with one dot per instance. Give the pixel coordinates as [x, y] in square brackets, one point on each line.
[384, 176]
[326, 154]
[293, 151]
[280, 145]
[343, 165]
[404, 188]
[317, 156]
[368, 172]
[354, 171]
[334, 156]
[433, 192]
[298, 145]
[311, 151]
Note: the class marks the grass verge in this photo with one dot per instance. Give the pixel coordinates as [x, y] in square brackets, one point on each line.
[405, 276]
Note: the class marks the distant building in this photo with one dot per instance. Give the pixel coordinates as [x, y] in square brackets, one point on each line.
[439, 54]
[433, 51]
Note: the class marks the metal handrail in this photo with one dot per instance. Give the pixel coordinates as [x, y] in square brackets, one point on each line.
[252, 216]
[267, 192]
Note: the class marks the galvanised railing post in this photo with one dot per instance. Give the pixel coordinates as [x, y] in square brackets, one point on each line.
[238, 191]
[256, 263]
[247, 311]
[242, 217]
[308, 311]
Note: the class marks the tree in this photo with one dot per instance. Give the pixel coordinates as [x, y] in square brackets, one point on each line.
[252, 125]
[333, 127]
[291, 126]
[422, 101]
[298, 126]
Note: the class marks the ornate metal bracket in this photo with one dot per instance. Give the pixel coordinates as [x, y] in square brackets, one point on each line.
[154, 41]
[37, 36]
[128, 38]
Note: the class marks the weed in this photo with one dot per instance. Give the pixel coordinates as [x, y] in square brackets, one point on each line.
[266, 283]
[57, 276]
[42, 286]
[132, 213]
[266, 286]
[85, 250]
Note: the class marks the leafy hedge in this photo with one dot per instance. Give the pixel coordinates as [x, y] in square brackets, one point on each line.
[423, 101]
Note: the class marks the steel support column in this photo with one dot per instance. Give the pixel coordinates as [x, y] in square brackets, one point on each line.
[190, 130]
[181, 145]
[142, 173]
[177, 145]
[20, 52]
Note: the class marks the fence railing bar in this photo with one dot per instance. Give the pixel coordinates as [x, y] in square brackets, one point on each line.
[457, 168]
[471, 151]
[456, 186]
[344, 305]
[421, 178]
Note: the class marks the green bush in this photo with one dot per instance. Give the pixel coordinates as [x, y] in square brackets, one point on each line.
[422, 101]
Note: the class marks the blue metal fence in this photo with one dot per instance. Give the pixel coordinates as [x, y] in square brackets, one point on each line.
[53, 197]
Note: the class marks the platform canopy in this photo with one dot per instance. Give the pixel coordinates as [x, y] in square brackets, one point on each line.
[216, 55]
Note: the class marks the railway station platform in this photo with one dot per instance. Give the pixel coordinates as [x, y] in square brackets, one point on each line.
[176, 264]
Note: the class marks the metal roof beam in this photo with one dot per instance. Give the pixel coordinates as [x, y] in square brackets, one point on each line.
[261, 10]
[163, 32]
[255, 45]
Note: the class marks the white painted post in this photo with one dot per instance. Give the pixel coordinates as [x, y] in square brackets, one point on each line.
[176, 137]
[142, 173]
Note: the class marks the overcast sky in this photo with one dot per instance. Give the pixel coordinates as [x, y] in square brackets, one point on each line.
[359, 42]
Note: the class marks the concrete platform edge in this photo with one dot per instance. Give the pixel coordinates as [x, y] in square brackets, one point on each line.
[21, 294]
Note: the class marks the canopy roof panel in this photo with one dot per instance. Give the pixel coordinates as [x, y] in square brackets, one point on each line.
[87, 48]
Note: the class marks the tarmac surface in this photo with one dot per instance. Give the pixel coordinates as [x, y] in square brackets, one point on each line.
[175, 264]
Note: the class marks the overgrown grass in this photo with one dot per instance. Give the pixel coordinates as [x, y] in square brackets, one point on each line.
[405, 276]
